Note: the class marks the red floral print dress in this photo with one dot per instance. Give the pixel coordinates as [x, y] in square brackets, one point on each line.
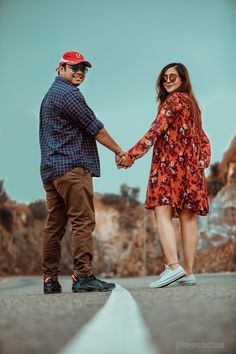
[175, 178]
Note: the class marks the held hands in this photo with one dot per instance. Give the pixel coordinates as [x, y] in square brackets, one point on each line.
[125, 163]
[122, 161]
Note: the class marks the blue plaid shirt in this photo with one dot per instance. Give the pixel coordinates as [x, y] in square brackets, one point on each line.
[66, 132]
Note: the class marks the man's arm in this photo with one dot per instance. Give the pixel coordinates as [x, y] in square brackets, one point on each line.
[105, 139]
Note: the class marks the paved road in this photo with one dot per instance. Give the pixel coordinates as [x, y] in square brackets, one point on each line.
[196, 319]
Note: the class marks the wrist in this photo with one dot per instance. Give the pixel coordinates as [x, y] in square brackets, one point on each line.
[117, 151]
[129, 158]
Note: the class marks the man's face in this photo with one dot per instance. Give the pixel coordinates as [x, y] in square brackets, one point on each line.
[74, 74]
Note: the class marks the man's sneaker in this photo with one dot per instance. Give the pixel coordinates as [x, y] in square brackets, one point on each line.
[51, 286]
[168, 276]
[91, 283]
[109, 285]
[188, 280]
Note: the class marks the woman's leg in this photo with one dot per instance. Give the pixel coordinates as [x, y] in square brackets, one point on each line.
[166, 231]
[189, 234]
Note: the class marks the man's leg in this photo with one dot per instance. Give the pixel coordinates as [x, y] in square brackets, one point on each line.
[76, 189]
[53, 232]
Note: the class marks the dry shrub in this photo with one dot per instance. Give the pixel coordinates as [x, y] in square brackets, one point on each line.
[6, 218]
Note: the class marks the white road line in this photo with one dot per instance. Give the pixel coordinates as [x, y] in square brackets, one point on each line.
[117, 328]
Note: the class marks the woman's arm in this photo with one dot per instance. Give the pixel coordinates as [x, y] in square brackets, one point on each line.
[166, 116]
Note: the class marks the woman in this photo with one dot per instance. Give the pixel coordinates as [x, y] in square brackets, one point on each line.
[176, 186]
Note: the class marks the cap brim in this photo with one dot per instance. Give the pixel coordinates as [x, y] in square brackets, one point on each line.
[86, 63]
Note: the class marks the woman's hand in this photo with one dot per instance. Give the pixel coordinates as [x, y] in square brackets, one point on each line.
[201, 165]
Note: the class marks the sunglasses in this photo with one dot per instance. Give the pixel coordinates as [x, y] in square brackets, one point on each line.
[79, 67]
[171, 77]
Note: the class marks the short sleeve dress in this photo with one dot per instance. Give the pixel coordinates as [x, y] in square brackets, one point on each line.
[175, 178]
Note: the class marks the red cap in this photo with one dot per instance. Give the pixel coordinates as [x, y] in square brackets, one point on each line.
[73, 58]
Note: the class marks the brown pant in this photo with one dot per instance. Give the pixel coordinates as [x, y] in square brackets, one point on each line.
[69, 197]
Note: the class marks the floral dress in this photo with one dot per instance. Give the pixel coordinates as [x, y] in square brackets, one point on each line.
[175, 178]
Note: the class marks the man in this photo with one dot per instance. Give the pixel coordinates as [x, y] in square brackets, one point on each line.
[69, 159]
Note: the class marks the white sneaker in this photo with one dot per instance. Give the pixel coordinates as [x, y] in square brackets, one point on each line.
[188, 280]
[168, 276]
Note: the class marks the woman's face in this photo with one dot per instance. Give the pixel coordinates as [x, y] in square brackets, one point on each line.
[171, 80]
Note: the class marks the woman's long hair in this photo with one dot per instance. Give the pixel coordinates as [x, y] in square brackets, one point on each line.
[185, 87]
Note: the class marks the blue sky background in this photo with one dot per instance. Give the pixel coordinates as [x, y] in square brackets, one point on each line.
[128, 42]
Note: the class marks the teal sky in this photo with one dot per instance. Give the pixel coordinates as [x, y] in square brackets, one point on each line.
[128, 42]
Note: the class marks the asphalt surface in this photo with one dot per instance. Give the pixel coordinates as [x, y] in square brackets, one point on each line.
[190, 319]
[181, 319]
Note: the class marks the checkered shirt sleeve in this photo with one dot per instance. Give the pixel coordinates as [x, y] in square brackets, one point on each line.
[77, 110]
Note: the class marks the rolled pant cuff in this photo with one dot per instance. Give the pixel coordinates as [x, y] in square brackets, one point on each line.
[84, 275]
[54, 277]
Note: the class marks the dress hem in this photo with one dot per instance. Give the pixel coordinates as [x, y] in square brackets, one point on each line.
[175, 209]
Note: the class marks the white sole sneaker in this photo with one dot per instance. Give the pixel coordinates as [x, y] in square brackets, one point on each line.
[168, 276]
[188, 280]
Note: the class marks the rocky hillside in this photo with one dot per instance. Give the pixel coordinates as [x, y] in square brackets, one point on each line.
[227, 167]
[126, 241]
[118, 238]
